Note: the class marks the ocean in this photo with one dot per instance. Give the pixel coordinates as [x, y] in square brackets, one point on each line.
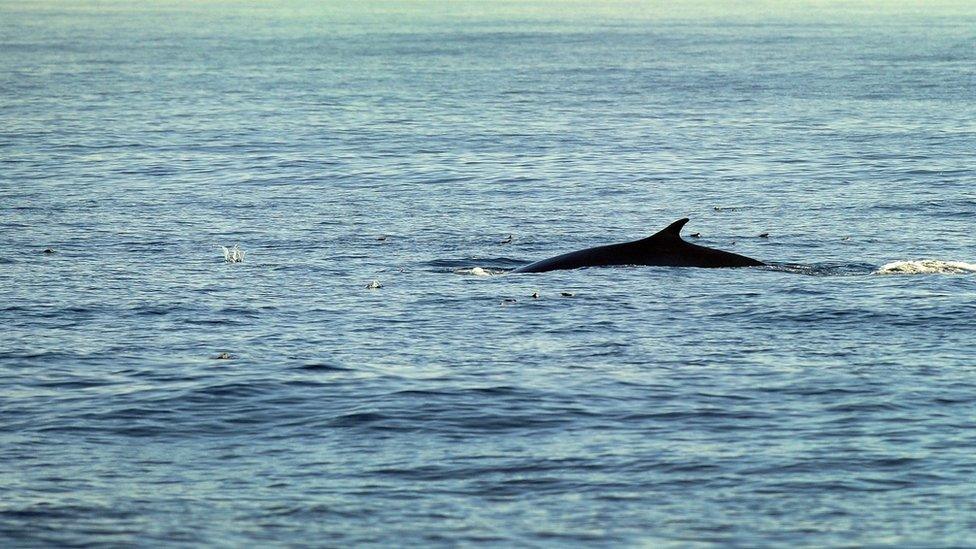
[153, 393]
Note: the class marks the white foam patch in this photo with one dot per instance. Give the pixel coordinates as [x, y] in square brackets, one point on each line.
[476, 271]
[927, 266]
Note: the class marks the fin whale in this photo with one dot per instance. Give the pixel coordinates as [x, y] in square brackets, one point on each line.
[665, 248]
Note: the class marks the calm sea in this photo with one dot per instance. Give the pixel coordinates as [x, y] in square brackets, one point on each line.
[813, 403]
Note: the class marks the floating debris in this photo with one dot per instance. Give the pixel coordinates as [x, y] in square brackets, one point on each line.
[234, 254]
[373, 285]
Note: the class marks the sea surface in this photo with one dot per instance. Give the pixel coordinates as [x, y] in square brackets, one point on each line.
[154, 394]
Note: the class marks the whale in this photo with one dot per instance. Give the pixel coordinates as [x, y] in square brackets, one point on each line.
[664, 249]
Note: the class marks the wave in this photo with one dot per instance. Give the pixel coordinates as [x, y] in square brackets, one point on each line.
[926, 266]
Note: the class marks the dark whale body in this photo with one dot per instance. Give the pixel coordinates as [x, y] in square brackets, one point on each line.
[665, 249]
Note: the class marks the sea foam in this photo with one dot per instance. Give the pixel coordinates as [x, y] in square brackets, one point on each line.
[926, 266]
[476, 271]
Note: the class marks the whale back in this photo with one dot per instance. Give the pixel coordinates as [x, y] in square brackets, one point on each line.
[664, 248]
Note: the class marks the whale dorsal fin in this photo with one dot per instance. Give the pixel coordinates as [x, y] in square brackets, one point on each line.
[671, 232]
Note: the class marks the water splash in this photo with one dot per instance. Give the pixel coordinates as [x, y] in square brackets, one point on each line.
[234, 254]
[926, 266]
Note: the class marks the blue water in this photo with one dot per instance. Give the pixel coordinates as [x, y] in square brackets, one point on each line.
[809, 404]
